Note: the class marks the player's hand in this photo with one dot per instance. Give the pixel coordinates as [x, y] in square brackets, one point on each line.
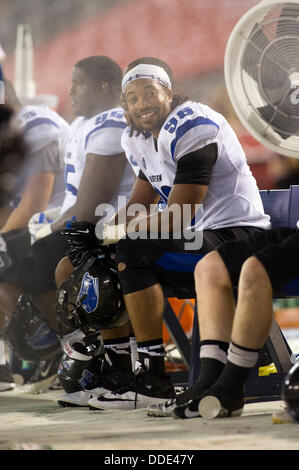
[80, 234]
[82, 241]
[109, 234]
[39, 221]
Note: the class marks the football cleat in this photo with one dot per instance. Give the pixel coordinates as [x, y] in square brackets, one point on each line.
[43, 377]
[144, 390]
[80, 398]
[215, 403]
[6, 378]
[111, 377]
[163, 409]
[166, 408]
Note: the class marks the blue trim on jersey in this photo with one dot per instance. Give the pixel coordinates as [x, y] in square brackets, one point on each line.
[107, 123]
[181, 262]
[190, 124]
[38, 122]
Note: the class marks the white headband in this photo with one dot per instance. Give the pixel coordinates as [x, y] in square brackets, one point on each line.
[152, 72]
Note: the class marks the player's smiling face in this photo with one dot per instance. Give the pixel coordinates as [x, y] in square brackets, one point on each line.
[149, 103]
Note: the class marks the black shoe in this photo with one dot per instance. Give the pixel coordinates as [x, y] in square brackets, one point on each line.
[44, 375]
[6, 379]
[165, 409]
[217, 402]
[21, 370]
[111, 377]
[145, 389]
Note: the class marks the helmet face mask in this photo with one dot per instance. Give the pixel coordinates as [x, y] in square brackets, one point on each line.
[28, 335]
[91, 298]
[80, 366]
[290, 392]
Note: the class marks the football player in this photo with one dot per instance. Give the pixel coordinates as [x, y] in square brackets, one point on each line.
[46, 134]
[40, 181]
[188, 155]
[96, 171]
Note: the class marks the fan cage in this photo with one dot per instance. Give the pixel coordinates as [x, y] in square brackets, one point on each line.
[262, 74]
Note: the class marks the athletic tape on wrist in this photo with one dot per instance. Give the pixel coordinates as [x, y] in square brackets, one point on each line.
[43, 232]
[113, 233]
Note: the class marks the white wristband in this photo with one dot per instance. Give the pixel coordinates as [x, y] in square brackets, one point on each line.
[43, 232]
[113, 233]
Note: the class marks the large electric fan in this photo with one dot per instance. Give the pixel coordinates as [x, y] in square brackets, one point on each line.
[262, 74]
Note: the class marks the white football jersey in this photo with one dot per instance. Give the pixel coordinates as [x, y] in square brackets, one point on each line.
[41, 126]
[232, 198]
[99, 135]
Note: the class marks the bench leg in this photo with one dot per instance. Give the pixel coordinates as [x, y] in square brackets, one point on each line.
[182, 343]
[279, 349]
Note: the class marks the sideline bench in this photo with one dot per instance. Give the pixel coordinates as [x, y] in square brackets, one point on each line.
[283, 207]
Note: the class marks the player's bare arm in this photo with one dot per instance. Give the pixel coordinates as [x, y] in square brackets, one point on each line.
[95, 187]
[35, 198]
[181, 195]
[142, 195]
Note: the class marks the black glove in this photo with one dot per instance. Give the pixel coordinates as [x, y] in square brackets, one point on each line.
[82, 241]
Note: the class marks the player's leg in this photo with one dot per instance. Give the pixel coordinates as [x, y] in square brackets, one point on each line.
[144, 301]
[254, 296]
[115, 368]
[253, 318]
[270, 268]
[17, 245]
[9, 294]
[144, 266]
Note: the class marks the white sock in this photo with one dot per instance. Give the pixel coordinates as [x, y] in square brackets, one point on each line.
[242, 357]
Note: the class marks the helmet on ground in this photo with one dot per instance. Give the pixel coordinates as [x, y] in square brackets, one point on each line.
[290, 391]
[28, 335]
[79, 368]
[91, 298]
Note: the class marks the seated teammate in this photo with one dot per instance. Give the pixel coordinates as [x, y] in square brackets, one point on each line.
[187, 154]
[13, 155]
[46, 134]
[40, 187]
[231, 337]
[96, 171]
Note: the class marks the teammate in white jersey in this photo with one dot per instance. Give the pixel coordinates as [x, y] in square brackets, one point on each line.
[46, 134]
[99, 135]
[188, 155]
[96, 171]
[41, 183]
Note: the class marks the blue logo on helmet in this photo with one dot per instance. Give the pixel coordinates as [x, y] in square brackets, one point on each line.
[89, 293]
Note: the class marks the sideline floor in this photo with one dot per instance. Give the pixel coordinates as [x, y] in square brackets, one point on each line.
[37, 419]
